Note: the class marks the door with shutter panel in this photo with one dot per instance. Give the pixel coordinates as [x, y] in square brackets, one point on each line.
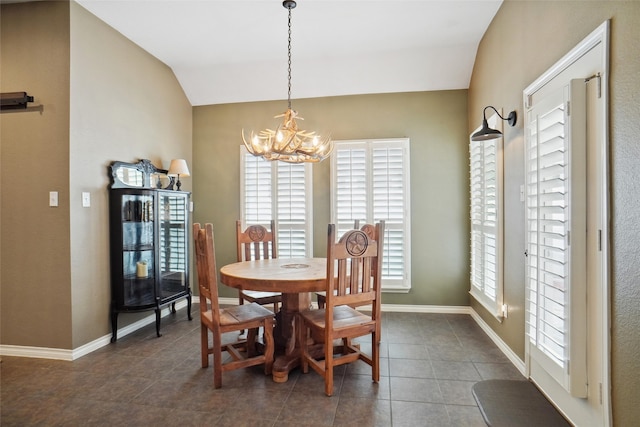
[556, 254]
[566, 211]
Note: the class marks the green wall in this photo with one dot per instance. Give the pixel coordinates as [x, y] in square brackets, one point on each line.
[435, 122]
[525, 39]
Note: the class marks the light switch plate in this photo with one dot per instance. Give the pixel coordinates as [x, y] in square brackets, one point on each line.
[86, 199]
[53, 198]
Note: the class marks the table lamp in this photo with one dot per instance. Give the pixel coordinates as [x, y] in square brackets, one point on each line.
[178, 167]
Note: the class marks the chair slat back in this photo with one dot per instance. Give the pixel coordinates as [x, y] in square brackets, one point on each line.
[256, 242]
[206, 268]
[355, 263]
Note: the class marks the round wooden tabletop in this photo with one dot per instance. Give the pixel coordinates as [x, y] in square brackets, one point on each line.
[286, 275]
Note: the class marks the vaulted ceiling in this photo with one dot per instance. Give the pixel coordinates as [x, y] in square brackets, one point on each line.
[236, 51]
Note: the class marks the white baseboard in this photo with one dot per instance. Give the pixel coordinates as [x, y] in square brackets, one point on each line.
[513, 358]
[61, 354]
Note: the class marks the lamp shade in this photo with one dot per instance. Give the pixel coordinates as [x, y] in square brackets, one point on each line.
[178, 167]
[486, 133]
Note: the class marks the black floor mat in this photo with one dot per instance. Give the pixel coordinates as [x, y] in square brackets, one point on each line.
[512, 403]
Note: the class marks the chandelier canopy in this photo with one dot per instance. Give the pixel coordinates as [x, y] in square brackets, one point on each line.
[287, 143]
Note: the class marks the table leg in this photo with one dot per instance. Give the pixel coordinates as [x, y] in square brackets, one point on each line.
[286, 335]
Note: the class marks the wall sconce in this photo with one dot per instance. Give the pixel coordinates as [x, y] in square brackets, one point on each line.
[486, 133]
[178, 167]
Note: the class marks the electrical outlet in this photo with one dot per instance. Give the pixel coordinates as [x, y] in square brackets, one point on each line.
[53, 198]
[505, 310]
[86, 199]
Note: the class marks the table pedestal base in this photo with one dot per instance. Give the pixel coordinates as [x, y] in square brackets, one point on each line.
[282, 366]
[288, 350]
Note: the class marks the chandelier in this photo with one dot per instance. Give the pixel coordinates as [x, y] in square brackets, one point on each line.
[287, 142]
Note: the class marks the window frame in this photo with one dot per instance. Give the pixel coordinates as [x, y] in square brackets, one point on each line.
[480, 290]
[274, 190]
[396, 284]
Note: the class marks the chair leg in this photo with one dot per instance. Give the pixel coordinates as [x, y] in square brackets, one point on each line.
[204, 345]
[375, 354]
[328, 367]
[251, 342]
[217, 361]
[241, 333]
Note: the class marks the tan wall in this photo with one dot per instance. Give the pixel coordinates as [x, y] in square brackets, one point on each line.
[436, 124]
[524, 39]
[104, 99]
[125, 105]
[35, 246]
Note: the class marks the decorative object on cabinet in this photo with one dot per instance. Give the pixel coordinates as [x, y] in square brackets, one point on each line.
[176, 168]
[149, 237]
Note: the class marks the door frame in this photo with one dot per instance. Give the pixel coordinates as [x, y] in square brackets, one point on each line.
[600, 36]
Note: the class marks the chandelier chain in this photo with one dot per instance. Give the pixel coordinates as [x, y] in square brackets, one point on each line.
[289, 63]
[288, 143]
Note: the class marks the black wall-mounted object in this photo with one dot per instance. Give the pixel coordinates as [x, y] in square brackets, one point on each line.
[486, 133]
[14, 100]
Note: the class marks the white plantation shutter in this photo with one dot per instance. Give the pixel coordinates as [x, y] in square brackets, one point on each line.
[389, 203]
[282, 192]
[486, 220]
[293, 210]
[257, 189]
[556, 229]
[350, 187]
[547, 232]
[370, 182]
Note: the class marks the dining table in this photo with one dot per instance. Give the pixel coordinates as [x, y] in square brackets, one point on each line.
[295, 279]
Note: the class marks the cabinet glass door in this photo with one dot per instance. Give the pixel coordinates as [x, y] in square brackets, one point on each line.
[173, 249]
[138, 249]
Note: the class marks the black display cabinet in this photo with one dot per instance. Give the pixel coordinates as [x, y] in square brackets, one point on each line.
[149, 237]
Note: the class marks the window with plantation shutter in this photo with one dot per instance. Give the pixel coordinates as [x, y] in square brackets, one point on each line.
[282, 192]
[486, 177]
[369, 183]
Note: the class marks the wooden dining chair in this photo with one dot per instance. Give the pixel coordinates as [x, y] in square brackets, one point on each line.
[219, 321]
[256, 242]
[367, 228]
[354, 269]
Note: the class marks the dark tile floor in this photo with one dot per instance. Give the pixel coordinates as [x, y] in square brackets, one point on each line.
[429, 363]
